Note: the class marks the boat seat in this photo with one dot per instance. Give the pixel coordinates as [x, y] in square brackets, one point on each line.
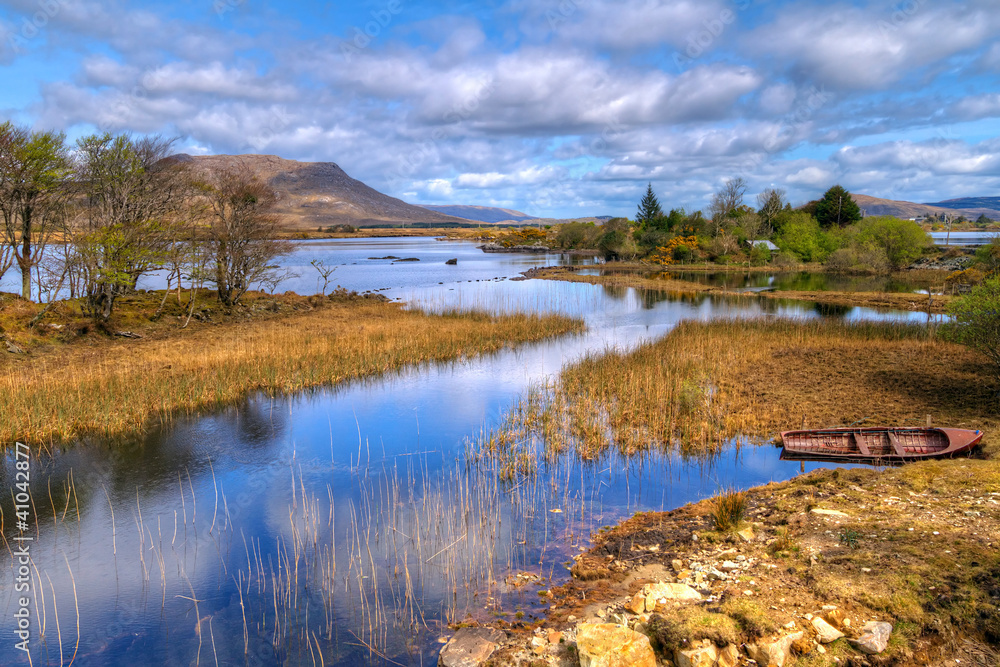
[896, 446]
[862, 445]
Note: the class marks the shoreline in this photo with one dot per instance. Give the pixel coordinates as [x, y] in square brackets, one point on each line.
[934, 304]
[65, 381]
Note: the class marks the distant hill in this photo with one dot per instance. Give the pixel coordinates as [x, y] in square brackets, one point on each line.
[988, 206]
[906, 209]
[320, 194]
[486, 214]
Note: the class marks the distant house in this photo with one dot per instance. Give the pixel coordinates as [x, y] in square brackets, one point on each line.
[762, 244]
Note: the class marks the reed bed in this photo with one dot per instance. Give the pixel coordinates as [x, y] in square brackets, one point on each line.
[706, 384]
[118, 389]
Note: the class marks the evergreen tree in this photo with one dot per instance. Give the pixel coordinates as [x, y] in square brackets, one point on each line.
[649, 209]
[837, 209]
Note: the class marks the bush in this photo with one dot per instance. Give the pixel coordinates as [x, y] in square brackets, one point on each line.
[902, 241]
[858, 260]
[784, 260]
[802, 237]
[988, 257]
[976, 321]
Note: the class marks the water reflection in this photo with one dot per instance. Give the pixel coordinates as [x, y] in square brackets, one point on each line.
[345, 521]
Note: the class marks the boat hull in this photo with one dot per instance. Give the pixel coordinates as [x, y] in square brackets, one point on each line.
[877, 445]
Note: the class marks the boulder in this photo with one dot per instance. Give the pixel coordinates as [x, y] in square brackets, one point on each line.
[470, 647]
[729, 656]
[746, 534]
[874, 637]
[774, 652]
[452, 262]
[825, 632]
[706, 655]
[609, 645]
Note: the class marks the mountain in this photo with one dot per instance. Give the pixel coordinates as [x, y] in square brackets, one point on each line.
[988, 206]
[482, 213]
[906, 209]
[320, 194]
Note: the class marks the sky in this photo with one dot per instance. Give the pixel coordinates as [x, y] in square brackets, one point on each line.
[558, 108]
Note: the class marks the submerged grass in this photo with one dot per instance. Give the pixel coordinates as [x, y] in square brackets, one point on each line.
[705, 384]
[114, 388]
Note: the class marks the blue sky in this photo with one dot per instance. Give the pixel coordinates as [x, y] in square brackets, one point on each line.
[555, 107]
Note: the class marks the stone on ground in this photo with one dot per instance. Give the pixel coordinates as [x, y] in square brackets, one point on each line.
[706, 655]
[609, 645]
[470, 647]
[825, 632]
[874, 638]
[773, 652]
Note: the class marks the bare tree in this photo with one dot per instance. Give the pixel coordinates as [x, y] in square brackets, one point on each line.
[129, 198]
[242, 234]
[726, 201]
[770, 203]
[34, 167]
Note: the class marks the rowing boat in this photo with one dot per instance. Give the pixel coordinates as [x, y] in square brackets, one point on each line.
[879, 444]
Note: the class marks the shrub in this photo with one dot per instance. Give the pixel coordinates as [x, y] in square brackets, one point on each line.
[858, 260]
[902, 241]
[784, 260]
[728, 509]
[988, 257]
[801, 236]
[976, 321]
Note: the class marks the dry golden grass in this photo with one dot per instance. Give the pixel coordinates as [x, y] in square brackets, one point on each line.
[706, 383]
[115, 388]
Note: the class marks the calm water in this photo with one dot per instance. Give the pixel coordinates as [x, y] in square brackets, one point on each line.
[345, 522]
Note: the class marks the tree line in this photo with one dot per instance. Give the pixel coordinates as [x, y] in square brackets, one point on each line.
[90, 219]
[735, 228]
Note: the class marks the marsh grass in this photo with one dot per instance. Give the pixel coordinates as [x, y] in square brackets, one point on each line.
[728, 507]
[706, 385]
[118, 388]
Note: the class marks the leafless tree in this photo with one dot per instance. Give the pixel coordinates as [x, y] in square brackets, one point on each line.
[242, 233]
[34, 167]
[770, 203]
[726, 201]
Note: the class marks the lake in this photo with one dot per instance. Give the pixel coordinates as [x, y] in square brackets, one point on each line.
[344, 526]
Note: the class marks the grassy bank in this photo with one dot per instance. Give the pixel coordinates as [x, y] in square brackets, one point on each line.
[74, 381]
[633, 277]
[706, 383]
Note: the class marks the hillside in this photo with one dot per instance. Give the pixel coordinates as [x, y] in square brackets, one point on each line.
[988, 206]
[971, 208]
[320, 194]
[486, 214]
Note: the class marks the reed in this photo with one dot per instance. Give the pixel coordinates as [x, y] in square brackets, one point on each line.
[121, 387]
[706, 385]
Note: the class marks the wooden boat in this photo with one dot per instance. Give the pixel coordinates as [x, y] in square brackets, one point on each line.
[880, 444]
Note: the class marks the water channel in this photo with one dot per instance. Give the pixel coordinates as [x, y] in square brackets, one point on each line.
[343, 526]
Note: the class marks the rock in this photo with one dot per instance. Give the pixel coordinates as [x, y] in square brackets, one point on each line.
[12, 347]
[874, 638]
[452, 262]
[470, 647]
[609, 645]
[555, 637]
[825, 632]
[775, 652]
[677, 564]
[537, 642]
[637, 604]
[657, 592]
[836, 513]
[729, 566]
[703, 656]
[729, 656]
[746, 534]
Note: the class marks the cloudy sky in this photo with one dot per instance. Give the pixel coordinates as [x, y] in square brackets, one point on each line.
[555, 107]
